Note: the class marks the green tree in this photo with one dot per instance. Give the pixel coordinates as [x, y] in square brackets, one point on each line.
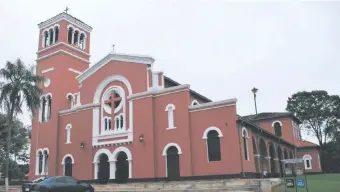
[319, 113]
[20, 85]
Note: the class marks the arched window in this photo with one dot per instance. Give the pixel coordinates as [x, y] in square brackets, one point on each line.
[40, 160]
[68, 133]
[49, 107]
[117, 120]
[106, 123]
[45, 170]
[70, 35]
[82, 41]
[46, 39]
[245, 143]
[213, 142]
[68, 165]
[170, 109]
[51, 33]
[56, 33]
[76, 38]
[43, 108]
[308, 161]
[121, 121]
[277, 125]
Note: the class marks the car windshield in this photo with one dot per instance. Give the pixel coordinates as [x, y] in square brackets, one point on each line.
[47, 180]
[40, 179]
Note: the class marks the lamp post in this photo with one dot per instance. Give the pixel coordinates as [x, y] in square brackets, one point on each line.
[254, 90]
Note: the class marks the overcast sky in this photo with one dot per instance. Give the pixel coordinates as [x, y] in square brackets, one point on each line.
[222, 49]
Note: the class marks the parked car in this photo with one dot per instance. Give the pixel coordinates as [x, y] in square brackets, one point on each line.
[56, 184]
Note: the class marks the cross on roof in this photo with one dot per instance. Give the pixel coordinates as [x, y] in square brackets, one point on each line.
[66, 9]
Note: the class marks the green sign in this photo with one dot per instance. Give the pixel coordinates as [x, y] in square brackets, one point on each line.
[290, 183]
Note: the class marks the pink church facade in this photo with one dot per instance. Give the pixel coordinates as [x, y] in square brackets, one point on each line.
[121, 120]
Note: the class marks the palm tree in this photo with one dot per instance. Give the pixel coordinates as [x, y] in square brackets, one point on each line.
[20, 85]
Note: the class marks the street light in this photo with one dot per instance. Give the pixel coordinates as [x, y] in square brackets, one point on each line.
[254, 90]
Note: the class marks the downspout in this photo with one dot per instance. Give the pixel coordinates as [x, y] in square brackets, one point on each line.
[190, 144]
[57, 146]
[239, 142]
[154, 138]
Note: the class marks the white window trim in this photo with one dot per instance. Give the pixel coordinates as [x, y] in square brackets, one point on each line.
[170, 108]
[307, 158]
[68, 133]
[247, 144]
[167, 146]
[194, 102]
[205, 137]
[63, 162]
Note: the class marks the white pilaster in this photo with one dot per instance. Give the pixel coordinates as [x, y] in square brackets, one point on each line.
[112, 169]
[78, 39]
[43, 40]
[46, 109]
[43, 165]
[37, 164]
[54, 33]
[95, 170]
[130, 168]
[49, 37]
[84, 47]
[73, 37]
[40, 110]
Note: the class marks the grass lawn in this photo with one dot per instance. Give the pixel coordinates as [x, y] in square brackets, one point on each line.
[317, 183]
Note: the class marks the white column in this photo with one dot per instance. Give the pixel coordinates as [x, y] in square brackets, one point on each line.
[37, 164]
[130, 168]
[84, 47]
[112, 169]
[54, 32]
[95, 170]
[46, 109]
[49, 37]
[40, 110]
[78, 39]
[73, 36]
[43, 39]
[43, 165]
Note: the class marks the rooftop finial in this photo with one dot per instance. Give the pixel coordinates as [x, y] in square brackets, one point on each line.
[66, 9]
[113, 47]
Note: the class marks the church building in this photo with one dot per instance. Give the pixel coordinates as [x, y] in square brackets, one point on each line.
[118, 120]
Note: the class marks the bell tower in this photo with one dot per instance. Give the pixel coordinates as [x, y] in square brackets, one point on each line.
[63, 54]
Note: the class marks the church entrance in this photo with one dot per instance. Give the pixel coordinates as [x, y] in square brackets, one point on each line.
[122, 168]
[68, 166]
[172, 163]
[104, 169]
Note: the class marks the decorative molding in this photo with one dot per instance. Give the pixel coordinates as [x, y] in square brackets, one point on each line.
[79, 108]
[47, 70]
[212, 105]
[64, 158]
[67, 17]
[207, 130]
[61, 51]
[158, 92]
[121, 149]
[277, 121]
[74, 71]
[47, 82]
[167, 146]
[245, 129]
[115, 57]
[170, 106]
[194, 102]
[102, 151]
[65, 44]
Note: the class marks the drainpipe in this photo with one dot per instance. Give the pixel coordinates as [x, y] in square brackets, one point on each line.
[240, 149]
[154, 138]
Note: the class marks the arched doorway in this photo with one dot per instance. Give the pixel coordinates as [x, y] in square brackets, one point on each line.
[104, 169]
[256, 159]
[279, 155]
[68, 166]
[172, 163]
[272, 161]
[122, 168]
[285, 156]
[263, 155]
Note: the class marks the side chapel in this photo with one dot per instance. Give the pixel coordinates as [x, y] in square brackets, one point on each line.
[120, 120]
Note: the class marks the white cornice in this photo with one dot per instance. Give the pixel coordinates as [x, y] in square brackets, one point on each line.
[156, 92]
[79, 108]
[65, 44]
[62, 51]
[64, 16]
[47, 70]
[212, 105]
[115, 57]
[74, 71]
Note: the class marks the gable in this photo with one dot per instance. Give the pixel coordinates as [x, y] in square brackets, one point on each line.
[146, 60]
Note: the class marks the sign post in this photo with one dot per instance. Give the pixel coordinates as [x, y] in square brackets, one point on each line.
[300, 182]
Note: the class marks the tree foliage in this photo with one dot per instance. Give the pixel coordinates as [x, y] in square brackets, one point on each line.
[318, 111]
[20, 85]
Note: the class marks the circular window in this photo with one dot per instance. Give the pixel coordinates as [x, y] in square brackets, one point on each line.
[47, 82]
[113, 99]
